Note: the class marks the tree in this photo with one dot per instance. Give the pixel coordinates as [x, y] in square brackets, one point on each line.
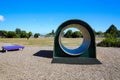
[3, 33]
[111, 40]
[119, 33]
[112, 30]
[12, 34]
[29, 35]
[18, 31]
[36, 35]
[23, 34]
[76, 34]
[68, 34]
[48, 35]
[53, 33]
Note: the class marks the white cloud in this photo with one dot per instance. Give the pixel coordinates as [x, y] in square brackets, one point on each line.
[1, 18]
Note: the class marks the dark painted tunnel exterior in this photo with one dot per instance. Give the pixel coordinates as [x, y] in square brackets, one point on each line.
[89, 53]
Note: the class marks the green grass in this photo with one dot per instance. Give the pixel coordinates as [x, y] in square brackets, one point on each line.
[42, 41]
[30, 42]
[76, 42]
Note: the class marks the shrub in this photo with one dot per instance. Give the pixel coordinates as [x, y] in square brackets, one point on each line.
[36, 35]
[110, 42]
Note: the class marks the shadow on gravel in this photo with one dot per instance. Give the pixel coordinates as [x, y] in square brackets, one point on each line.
[82, 61]
[67, 60]
[44, 53]
[1, 51]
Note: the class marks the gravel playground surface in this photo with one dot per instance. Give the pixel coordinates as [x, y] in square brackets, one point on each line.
[34, 63]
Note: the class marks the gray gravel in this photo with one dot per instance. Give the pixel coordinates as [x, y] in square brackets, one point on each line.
[34, 63]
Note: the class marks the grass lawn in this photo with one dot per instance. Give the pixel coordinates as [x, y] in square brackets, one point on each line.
[42, 41]
[30, 42]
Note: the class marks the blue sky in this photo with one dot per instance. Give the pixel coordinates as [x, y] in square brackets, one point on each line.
[41, 16]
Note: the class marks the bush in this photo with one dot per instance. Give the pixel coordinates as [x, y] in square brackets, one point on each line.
[36, 35]
[110, 42]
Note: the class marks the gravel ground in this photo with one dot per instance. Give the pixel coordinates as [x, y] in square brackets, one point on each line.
[34, 63]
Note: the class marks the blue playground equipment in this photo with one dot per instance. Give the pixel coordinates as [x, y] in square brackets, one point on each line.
[12, 47]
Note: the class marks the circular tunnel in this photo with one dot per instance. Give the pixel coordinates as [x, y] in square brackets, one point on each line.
[86, 49]
[85, 44]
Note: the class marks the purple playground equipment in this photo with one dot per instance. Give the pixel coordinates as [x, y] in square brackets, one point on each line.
[12, 47]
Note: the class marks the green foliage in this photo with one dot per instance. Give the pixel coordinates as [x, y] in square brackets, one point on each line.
[12, 34]
[23, 34]
[51, 34]
[18, 31]
[36, 35]
[99, 34]
[118, 33]
[112, 30]
[3, 33]
[110, 42]
[68, 34]
[29, 35]
[76, 34]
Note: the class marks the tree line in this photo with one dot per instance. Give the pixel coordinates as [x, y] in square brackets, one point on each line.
[18, 33]
[111, 31]
[71, 34]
